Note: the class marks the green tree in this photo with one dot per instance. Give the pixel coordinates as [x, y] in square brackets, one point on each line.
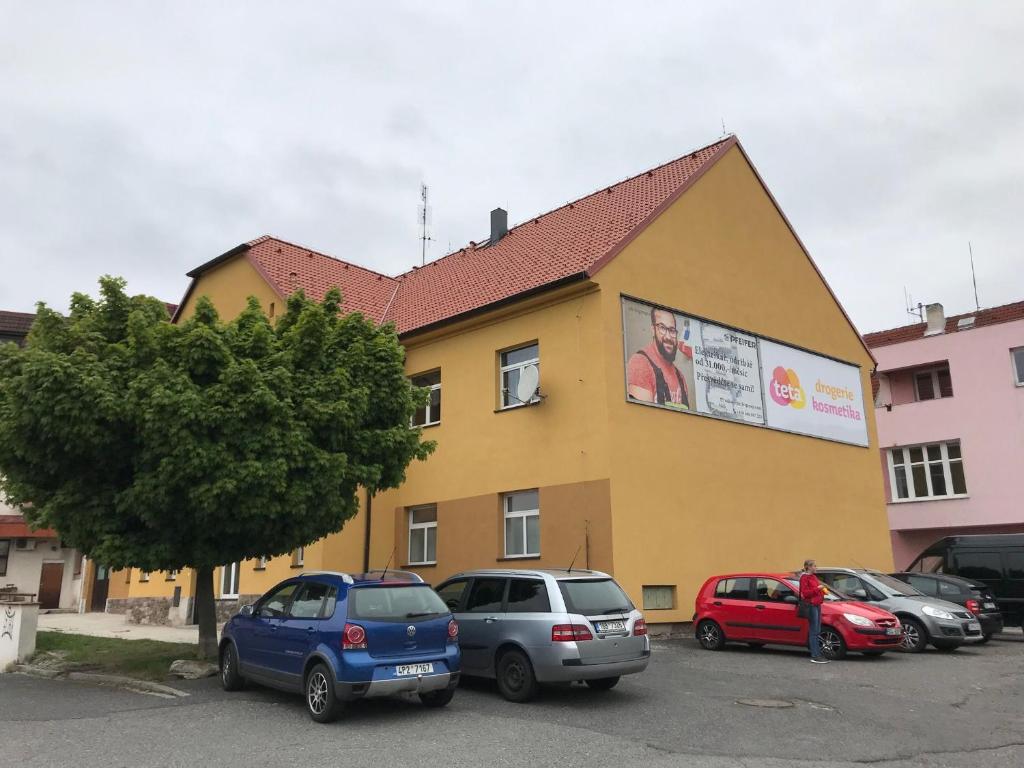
[163, 446]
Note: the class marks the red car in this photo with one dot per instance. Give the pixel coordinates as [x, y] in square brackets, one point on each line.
[760, 609]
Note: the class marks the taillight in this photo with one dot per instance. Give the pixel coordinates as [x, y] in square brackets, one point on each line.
[570, 633]
[353, 638]
[453, 631]
[640, 627]
[974, 606]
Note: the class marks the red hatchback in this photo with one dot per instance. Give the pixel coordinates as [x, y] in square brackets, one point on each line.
[760, 609]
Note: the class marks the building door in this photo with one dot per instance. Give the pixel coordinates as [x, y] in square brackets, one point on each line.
[100, 585]
[50, 581]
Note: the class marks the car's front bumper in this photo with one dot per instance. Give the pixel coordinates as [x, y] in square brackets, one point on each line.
[947, 631]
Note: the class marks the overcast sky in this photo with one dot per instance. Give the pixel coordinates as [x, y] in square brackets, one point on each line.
[144, 139]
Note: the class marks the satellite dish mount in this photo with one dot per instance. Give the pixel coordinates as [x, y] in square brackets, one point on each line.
[528, 389]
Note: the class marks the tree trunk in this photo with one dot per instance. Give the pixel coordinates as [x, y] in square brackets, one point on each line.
[206, 613]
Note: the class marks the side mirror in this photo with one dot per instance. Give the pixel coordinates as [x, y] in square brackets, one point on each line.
[245, 610]
[790, 599]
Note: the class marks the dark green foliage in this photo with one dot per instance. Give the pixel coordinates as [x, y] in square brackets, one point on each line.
[163, 446]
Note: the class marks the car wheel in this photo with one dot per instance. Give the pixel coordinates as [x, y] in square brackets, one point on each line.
[603, 683]
[915, 636]
[832, 645]
[321, 703]
[437, 698]
[230, 678]
[985, 638]
[710, 635]
[516, 680]
[946, 647]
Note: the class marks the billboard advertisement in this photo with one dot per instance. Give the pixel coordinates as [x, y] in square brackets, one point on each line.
[683, 363]
[812, 395]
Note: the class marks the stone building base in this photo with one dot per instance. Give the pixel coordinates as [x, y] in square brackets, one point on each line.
[162, 611]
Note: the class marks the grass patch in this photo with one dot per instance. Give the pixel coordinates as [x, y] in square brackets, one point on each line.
[142, 659]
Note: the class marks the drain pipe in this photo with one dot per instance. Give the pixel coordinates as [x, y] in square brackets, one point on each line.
[369, 524]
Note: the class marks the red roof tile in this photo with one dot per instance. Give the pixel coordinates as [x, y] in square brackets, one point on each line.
[574, 240]
[15, 527]
[1006, 313]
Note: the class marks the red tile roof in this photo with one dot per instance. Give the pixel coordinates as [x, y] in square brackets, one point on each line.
[570, 242]
[1006, 313]
[15, 527]
[15, 323]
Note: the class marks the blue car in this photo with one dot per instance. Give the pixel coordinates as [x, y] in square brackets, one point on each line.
[336, 637]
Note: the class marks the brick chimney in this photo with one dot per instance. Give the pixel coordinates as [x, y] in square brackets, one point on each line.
[936, 320]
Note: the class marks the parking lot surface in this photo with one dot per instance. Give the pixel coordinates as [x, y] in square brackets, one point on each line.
[736, 707]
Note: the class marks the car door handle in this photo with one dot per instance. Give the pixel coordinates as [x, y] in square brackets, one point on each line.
[717, 602]
[311, 630]
[273, 627]
[490, 619]
[759, 607]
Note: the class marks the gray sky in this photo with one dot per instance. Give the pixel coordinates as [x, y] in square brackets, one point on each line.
[144, 139]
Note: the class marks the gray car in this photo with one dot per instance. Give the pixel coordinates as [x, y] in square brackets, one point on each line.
[528, 627]
[925, 619]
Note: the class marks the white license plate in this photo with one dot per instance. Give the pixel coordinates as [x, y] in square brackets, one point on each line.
[611, 626]
[403, 670]
[892, 630]
[974, 626]
[988, 605]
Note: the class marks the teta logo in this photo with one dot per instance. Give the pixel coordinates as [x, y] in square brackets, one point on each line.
[785, 388]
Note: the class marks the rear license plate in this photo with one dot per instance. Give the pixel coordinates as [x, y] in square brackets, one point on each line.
[974, 626]
[403, 670]
[892, 630]
[611, 626]
[988, 605]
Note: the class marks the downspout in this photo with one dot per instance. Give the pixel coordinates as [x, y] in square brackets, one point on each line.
[366, 536]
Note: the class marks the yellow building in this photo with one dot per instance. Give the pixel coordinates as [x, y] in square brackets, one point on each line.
[762, 453]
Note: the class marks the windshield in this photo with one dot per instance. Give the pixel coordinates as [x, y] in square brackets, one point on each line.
[832, 596]
[894, 586]
[594, 597]
[406, 602]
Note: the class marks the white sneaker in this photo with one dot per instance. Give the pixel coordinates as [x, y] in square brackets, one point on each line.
[819, 661]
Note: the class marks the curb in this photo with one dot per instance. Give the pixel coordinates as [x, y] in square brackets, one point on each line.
[114, 681]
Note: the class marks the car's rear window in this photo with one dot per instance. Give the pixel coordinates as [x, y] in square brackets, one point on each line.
[594, 597]
[402, 602]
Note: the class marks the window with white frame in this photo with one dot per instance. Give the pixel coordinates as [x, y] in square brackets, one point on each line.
[522, 524]
[261, 564]
[299, 557]
[423, 535]
[933, 383]
[513, 363]
[926, 471]
[172, 575]
[143, 575]
[431, 412]
[1018, 365]
[229, 580]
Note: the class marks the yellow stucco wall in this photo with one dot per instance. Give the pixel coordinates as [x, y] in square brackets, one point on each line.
[694, 496]
[229, 286]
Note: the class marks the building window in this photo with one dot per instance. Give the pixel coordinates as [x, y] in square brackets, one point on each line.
[143, 575]
[659, 598]
[229, 580]
[1018, 365]
[299, 557]
[431, 412]
[522, 524]
[423, 535]
[5, 553]
[513, 364]
[927, 471]
[261, 564]
[172, 575]
[933, 383]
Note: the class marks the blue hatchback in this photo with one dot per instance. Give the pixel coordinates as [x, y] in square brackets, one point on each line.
[337, 637]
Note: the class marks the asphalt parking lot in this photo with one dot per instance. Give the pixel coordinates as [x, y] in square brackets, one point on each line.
[691, 708]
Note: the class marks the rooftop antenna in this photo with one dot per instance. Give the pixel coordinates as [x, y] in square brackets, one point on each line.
[424, 221]
[912, 310]
[974, 279]
[573, 562]
[723, 127]
[387, 565]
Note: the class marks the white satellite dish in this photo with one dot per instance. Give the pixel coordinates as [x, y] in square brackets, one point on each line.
[529, 379]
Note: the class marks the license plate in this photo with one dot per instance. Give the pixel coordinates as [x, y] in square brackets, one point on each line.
[892, 630]
[974, 626]
[988, 605]
[403, 670]
[611, 626]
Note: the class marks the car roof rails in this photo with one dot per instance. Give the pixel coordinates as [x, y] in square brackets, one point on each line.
[389, 575]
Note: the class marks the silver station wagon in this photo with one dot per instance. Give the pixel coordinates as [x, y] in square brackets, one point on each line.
[528, 627]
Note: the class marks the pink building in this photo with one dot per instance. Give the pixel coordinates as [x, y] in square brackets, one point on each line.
[949, 404]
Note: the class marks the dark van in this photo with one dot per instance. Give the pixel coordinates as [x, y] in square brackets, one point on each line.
[996, 561]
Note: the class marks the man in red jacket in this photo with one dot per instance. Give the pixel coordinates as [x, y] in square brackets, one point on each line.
[813, 591]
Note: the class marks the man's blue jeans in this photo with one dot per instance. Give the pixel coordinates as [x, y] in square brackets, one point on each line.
[814, 630]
